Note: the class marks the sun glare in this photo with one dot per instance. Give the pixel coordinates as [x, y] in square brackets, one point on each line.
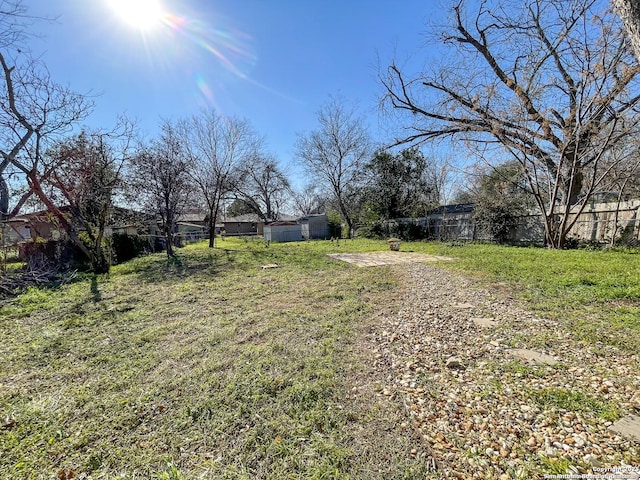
[142, 14]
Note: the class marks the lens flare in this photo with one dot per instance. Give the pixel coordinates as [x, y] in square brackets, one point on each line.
[204, 88]
[230, 47]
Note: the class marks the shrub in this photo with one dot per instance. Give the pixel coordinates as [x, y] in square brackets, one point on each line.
[125, 247]
[335, 227]
[406, 231]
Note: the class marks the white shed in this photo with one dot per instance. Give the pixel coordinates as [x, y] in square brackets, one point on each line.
[314, 227]
[283, 232]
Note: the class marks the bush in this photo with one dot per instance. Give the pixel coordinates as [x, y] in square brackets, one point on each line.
[125, 247]
[335, 227]
[498, 221]
[406, 231]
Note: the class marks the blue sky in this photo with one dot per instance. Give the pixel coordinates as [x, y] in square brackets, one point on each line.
[272, 62]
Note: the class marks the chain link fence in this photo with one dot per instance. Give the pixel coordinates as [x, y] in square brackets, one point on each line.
[600, 230]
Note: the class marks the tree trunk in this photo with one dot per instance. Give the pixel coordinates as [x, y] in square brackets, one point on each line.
[213, 217]
[168, 238]
[345, 215]
[212, 231]
[212, 236]
[4, 197]
[629, 12]
[573, 186]
[99, 262]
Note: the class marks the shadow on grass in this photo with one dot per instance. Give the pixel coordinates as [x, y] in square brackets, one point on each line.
[95, 291]
[182, 266]
[206, 263]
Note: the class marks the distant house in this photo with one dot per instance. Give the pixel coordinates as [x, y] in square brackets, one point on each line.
[32, 226]
[193, 217]
[45, 226]
[129, 229]
[249, 224]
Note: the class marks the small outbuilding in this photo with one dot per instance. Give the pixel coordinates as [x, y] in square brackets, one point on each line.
[309, 227]
[283, 232]
[314, 227]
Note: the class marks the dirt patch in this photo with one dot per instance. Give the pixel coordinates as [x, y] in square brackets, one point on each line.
[378, 259]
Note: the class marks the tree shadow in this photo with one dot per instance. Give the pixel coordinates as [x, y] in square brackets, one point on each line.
[95, 292]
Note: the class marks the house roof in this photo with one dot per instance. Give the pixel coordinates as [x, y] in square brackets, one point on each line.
[246, 218]
[120, 227]
[40, 214]
[187, 224]
[192, 217]
[311, 215]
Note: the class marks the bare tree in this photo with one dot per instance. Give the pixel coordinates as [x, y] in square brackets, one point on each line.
[86, 173]
[310, 200]
[35, 113]
[14, 22]
[217, 146]
[159, 178]
[21, 77]
[263, 187]
[334, 155]
[553, 83]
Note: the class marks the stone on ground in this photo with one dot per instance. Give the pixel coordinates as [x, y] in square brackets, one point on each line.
[628, 427]
[483, 322]
[532, 356]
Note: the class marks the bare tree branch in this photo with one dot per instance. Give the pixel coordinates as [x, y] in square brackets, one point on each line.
[553, 82]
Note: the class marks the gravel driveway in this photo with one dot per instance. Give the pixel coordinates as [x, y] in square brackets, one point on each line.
[464, 361]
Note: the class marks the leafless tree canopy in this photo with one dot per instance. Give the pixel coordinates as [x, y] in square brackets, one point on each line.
[35, 112]
[217, 148]
[14, 22]
[334, 154]
[310, 200]
[552, 82]
[159, 178]
[263, 186]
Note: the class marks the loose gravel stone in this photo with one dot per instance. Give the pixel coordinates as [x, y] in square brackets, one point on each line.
[501, 416]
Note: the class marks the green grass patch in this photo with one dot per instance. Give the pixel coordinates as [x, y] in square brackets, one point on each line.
[519, 368]
[204, 366]
[575, 401]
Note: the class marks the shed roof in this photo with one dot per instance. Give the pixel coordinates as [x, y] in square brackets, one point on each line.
[281, 224]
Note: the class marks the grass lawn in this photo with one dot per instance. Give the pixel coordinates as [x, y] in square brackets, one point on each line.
[206, 367]
[212, 367]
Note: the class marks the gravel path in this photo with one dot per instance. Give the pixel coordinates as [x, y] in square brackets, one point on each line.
[485, 413]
